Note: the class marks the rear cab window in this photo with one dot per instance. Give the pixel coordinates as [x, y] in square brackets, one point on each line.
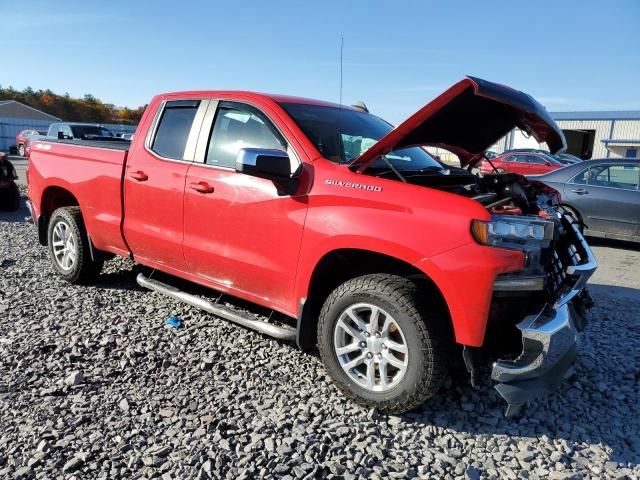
[173, 129]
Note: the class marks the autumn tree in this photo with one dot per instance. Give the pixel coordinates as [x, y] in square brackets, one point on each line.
[86, 109]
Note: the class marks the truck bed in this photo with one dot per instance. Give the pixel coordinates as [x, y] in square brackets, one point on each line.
[93, 172]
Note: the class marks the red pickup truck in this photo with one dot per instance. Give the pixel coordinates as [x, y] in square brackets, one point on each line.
[383, 258]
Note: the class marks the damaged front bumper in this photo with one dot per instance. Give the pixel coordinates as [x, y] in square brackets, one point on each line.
[549, 338]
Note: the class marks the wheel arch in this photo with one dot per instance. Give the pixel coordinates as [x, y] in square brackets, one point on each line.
[53, 197]
[342, 264]
[574, 209]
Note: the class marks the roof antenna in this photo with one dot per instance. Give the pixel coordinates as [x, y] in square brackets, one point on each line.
[341, 49]
[341, 153]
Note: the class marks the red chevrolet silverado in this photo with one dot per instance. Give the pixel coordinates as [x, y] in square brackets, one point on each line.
[366, 247]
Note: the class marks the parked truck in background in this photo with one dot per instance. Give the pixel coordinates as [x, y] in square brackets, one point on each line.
[383, 258]
[81, 131]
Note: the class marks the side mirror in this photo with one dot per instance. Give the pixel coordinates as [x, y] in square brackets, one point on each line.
[264, 163]
[60, 135]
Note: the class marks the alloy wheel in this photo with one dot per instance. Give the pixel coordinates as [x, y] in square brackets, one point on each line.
[370, 347]
[65, 249]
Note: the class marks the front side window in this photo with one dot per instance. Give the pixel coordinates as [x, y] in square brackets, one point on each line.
[240, 126]
[342, 135]
[519, 158]
[581, 178]
[535, 160]
[173, 129]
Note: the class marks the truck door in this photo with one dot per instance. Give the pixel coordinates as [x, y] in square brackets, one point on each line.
[240, 234]
[154, 184]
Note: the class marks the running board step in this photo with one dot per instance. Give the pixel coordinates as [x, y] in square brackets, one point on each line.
[279, 332]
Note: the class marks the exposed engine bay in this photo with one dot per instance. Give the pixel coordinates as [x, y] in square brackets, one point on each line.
[506, 193]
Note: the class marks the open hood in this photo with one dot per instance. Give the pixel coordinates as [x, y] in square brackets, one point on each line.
[467, 119]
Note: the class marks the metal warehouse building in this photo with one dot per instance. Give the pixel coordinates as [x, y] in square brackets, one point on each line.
[602, 134]
[16, 116]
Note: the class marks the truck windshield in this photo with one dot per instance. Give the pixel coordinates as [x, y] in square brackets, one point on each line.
[342, 135]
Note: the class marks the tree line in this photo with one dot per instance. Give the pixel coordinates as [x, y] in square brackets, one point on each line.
[86, 109]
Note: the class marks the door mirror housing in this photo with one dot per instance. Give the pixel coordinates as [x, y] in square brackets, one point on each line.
[264, 163]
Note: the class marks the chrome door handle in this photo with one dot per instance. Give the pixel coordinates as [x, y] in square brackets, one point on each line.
[580, 191]
[201, 187]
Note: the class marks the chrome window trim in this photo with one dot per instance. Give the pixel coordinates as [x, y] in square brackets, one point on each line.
[637, 189]
[205, 130]
[192, 139]
[204, 102]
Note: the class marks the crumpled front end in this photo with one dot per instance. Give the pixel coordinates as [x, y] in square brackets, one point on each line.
[549, 335]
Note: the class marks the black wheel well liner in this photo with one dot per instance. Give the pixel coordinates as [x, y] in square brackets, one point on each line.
[572, 208]
[338, 266]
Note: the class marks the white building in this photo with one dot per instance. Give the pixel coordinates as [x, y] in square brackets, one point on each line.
[589, 134]
[605, 134]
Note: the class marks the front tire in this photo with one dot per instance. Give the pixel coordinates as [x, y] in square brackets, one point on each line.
[21, 150]
[69, 247]
[382, 346]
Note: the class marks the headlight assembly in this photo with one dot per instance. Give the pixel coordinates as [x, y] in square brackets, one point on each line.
[510, 231]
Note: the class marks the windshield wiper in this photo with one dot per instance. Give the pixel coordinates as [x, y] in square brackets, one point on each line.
[393, 169]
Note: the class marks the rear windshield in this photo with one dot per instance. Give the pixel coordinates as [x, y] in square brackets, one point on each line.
[82, 131]
[342, 135]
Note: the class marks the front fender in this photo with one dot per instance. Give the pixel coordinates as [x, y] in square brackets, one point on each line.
[465, 277]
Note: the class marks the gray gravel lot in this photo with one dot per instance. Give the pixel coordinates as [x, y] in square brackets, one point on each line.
[92, 385]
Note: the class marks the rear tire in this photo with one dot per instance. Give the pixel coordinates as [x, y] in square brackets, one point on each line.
[69, 247]
[374, 342]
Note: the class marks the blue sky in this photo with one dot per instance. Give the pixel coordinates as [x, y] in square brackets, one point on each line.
[570, 54]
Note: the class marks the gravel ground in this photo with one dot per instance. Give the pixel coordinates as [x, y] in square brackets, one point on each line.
[93, 385]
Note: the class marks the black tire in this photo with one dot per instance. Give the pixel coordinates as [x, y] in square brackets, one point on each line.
[84, 269]
[21, 150]
[423, 330]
